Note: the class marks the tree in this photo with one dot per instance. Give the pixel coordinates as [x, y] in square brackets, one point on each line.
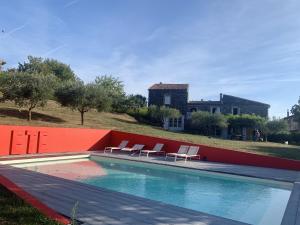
[277, 126]
[207, 122]
[27, 90]
[296, 111]
[81, 97]
[246, 121]
[114, 88]
[134, 102]
[46, 67]
[159, 114]
[2, 63]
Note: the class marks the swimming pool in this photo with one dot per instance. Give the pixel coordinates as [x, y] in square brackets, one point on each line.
[253, 201]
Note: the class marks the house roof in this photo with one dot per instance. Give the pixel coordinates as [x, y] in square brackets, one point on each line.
[225, 97]
[161, 86]
[204, 102]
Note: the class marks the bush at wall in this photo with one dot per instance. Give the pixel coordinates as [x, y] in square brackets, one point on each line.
[292, 138]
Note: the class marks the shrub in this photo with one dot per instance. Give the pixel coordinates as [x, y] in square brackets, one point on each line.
[208, 123]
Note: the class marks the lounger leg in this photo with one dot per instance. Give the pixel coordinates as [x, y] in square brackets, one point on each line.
[185, 159]
[175, 158]
[166, 157]
[147, 154]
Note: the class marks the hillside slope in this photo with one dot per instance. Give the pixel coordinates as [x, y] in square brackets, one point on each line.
[56, 116]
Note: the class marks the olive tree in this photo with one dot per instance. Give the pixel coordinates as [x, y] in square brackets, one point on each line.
[207, 122]
[277, 126]
[82, 97]
[159, 114]
[26, 90]
[114, 89]
[42, 66]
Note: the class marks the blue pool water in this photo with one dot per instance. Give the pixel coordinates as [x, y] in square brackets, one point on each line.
[256, 202]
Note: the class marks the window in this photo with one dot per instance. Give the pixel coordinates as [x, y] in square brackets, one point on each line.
[175, 122]
[170, 122]
[179, 122]
[167, 99]
[215, 109]
[235, 111]
[193, 110]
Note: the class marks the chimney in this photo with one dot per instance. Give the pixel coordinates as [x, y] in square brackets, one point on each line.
[288, 113]
[221, 97]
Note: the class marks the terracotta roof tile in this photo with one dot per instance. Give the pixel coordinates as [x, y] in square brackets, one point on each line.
[162, 86]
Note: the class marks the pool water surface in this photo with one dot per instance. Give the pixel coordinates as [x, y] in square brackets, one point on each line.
[252, 201]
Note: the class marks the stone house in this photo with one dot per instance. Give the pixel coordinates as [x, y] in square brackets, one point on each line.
[173, 96]
[176, 96]
[230, 105]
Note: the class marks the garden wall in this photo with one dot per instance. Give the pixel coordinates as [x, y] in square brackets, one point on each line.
[17, 140]
[209, 153]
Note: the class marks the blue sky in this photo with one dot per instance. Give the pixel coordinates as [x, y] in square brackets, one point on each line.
[247, 48]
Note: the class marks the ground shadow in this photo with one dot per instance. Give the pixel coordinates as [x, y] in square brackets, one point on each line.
[125, 121]
[22, 114]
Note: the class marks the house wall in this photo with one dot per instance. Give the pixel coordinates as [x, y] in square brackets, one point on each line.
[245, 106]
[17, 140]
[179, 98]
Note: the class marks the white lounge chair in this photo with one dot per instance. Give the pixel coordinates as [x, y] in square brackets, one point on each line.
[123, 144]
[134, 149]
[157, 149]
[192, 153]
[183, 149]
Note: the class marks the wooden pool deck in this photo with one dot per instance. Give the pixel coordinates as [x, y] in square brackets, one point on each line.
[102, 206]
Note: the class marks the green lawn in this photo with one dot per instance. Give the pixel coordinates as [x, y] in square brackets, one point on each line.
[14, 211]
[54, 115]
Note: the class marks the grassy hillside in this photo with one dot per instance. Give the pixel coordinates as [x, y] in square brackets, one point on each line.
[55, 115]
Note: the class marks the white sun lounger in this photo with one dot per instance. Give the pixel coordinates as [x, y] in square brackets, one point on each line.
[121, 145]
[192, 153]
[157, 149]
[135, 148]
[182, 151]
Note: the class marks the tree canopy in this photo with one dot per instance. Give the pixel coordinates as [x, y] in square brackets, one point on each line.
[277, 126]
[159, 114]
[296, 111]
[247, 121]
[2, 63]
[207, 122]
[82, 97]
[27, 90]
[114, 89]
[46, 67]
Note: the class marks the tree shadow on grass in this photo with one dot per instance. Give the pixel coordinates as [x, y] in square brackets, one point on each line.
[23, 114]
[125, 121]
[278, 151]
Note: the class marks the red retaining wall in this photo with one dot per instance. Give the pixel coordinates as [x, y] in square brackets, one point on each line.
[208, 153]
[29, 140]
[17, 140]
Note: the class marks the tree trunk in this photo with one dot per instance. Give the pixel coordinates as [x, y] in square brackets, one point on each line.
[82, 117]
[29, 114]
